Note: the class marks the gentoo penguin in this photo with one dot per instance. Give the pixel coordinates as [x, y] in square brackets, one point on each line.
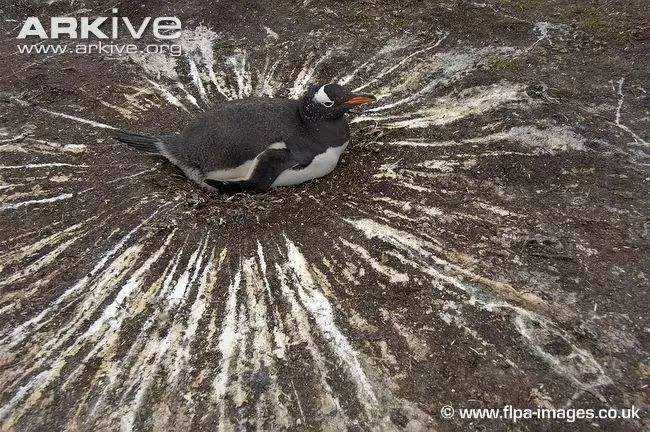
[259, 143]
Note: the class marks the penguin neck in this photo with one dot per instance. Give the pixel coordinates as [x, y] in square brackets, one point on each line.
[319, 126]
[327, 132]
[309, 119]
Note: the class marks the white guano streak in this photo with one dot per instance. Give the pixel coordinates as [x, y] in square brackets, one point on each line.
[321, 310]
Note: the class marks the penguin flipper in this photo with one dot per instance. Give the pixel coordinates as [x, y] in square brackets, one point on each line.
[269, 166]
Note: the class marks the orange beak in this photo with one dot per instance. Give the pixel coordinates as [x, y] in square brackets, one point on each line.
[357, 100]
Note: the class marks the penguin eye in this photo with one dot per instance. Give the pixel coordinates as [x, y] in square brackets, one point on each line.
[322, 98]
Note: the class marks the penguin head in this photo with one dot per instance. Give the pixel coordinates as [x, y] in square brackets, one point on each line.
[331, 101]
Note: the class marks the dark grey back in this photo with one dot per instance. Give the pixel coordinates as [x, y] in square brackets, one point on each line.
[237, 131]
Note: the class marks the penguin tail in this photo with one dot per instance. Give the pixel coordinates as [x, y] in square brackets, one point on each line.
[140, 142]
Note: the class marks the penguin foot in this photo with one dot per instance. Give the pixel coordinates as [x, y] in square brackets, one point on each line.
[231, 187]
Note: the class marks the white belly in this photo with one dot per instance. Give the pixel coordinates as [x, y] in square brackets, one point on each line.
[320, 166]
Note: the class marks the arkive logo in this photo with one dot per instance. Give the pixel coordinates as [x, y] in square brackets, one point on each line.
[101, 27]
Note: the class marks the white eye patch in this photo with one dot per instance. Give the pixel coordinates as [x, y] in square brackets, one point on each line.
[322, 98]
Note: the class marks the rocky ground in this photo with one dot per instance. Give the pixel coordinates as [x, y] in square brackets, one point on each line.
[483, 243]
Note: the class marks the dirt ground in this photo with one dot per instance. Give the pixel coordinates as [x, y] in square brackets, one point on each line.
[483, 243]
